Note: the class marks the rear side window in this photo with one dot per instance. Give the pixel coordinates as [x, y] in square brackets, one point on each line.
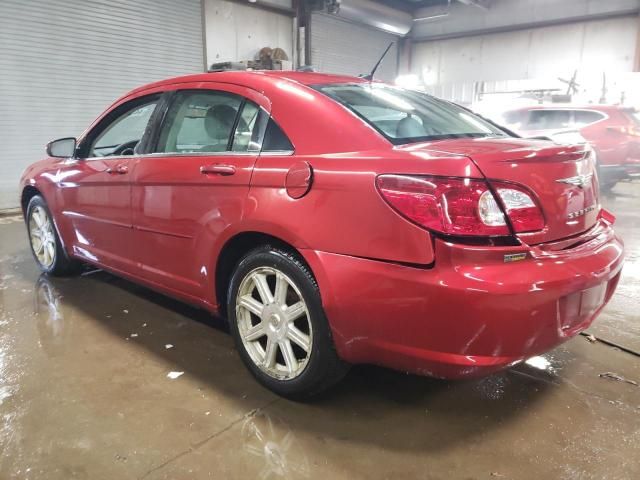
[549, 119]
[586, 117]
[199, 121]
[275, 139]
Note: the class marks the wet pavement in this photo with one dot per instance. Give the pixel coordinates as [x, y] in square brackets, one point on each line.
[620, 321]
[85, 394]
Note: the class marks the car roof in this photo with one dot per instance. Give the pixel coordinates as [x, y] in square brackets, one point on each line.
[295, 107]
[255, 78]
[313, 78]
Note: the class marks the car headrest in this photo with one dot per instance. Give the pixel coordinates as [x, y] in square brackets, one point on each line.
[219, 121]
[410, 127]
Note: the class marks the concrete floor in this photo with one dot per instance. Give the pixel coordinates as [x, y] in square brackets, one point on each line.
[84, 393]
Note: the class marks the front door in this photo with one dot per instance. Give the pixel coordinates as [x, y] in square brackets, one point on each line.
[97, 192]
[196, 182]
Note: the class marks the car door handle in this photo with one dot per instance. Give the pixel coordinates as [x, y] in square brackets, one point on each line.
[119, 170]
[218, 169]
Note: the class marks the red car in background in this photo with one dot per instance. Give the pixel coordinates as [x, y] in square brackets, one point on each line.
[612, 130]
[333, 220]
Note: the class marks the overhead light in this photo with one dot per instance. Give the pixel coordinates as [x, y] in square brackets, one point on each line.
[429, 76]
[408, 81]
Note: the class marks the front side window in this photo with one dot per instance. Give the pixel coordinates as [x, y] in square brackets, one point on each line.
[121, 135]
[405, 116]
[206, 121]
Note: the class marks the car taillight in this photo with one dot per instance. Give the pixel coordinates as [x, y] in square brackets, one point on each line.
[460, 206]
[607, 216]
[523, 212]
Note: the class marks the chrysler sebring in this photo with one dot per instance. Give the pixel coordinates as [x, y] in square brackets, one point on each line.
[333, 220]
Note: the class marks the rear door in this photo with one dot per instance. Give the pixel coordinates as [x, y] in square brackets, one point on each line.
[195, 182]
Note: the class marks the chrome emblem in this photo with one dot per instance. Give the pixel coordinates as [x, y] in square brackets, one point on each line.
[578, 180]
[581, 212]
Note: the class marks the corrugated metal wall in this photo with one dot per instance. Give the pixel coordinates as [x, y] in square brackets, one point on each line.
[62, 62]
[338, 46]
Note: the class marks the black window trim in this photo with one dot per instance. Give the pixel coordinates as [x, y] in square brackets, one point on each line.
[158, 120]
[234, 127]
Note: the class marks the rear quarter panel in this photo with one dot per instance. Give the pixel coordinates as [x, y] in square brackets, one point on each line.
[343, 211]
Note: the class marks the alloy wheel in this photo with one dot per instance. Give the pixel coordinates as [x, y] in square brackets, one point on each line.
[274, 324]
[42, 236]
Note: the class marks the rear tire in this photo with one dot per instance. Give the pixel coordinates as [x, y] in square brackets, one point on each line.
[44, 240]
[279, 326]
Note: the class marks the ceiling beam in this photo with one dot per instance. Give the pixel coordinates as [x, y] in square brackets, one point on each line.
[267, 6]
[529, 25]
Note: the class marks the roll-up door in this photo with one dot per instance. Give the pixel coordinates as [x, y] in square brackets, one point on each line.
[62, 62]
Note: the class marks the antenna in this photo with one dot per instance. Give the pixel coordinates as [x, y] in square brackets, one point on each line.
[370, 76]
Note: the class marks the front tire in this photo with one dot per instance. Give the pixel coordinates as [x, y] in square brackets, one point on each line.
[45, 243]
[279, 326]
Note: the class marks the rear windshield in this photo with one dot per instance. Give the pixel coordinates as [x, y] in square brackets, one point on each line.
[405, 116]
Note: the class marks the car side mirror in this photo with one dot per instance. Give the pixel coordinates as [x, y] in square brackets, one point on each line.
[62, 148]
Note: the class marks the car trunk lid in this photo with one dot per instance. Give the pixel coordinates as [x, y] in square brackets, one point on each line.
[562, 177]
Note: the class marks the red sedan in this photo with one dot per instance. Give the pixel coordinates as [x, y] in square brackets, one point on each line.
[333, 220]
[612, 130]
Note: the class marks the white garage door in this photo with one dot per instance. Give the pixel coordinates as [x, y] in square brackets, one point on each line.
[338, 46]
[63, 61]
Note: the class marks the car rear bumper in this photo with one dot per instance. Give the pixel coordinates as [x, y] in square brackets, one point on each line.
[471, 312]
